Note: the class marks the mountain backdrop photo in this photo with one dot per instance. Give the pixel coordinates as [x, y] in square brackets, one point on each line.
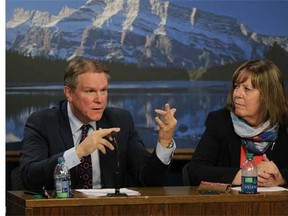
[180, 52]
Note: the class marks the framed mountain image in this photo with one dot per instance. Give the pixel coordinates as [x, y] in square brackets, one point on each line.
[181, 52]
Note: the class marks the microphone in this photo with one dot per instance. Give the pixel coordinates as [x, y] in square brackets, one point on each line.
[118, 173]
[113, 135]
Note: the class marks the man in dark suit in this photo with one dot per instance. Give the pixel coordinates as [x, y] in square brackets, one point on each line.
[56, 132]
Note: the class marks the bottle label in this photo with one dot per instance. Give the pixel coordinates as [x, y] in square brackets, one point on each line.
[249, 184]
[62, 189]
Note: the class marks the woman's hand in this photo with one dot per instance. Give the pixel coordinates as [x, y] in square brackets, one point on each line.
[269, 174]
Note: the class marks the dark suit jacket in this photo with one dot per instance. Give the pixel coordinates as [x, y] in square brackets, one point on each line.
[217, 156]
[47, 135]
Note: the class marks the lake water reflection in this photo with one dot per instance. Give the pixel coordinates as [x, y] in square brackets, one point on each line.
[193, 101]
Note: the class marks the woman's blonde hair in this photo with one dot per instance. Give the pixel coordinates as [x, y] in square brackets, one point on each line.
[267, 78]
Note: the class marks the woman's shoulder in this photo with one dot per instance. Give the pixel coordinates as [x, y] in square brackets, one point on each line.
[220, 120]
[222, 113]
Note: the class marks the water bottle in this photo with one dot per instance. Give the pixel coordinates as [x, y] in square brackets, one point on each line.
[249, 176]
[62, 179]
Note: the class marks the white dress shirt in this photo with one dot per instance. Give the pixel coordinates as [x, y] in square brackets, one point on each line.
[72, 160]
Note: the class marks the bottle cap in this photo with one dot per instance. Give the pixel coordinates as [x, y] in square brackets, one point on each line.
[61, 160]
[38, 196]
[249, 155]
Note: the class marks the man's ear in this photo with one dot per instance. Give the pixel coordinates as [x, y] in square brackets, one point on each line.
[68, 93]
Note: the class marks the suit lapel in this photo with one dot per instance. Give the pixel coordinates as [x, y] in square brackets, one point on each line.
[66, 135]
[65, 129]
[107, 161]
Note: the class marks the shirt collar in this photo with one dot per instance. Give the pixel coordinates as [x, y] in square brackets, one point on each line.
[75, 123]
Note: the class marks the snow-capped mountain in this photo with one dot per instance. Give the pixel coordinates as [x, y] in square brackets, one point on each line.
[144, 32]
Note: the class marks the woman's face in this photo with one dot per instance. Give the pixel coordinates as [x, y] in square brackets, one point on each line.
[246, 101]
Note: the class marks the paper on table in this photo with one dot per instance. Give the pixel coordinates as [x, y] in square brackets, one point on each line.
[105, 191]
[264, 189]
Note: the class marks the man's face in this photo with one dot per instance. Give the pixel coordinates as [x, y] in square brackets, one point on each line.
[89, 100]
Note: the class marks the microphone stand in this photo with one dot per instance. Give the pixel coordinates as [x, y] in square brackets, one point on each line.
[118, 173]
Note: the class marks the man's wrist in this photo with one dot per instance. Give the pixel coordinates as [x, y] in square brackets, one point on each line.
[166, 143]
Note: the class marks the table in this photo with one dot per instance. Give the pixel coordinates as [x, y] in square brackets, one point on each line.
[180, 200]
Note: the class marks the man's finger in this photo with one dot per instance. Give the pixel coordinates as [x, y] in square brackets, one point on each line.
[106, 131]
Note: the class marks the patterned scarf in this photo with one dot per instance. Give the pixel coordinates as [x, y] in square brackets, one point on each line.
[255, 140]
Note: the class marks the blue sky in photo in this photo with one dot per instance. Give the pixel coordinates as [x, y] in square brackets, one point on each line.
[262, 16]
